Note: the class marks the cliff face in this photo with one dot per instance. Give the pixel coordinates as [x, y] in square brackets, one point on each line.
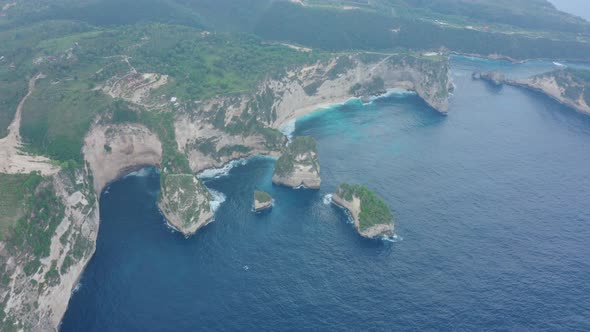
[113, 150]
[303, 91]
[40, 287]
[568, 87]
[299, 165]
[185, 202]
[225, 128]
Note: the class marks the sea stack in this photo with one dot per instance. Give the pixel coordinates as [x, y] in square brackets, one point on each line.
[298, 165]
[262, 201]
[372, 217]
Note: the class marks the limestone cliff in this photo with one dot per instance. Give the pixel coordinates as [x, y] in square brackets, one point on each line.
[299, 165]
[569, 87]
[113, 150]
[371, 216]
[216, 131]
[185, 202]
[39, 276]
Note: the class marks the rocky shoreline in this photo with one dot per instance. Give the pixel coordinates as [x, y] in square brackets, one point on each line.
[207, 136]
[559, 85]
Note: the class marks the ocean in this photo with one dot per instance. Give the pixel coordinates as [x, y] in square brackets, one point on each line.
[492, 228]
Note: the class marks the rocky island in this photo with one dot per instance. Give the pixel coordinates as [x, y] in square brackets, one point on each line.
[298, 165]
[262, 201]
[372, 218]
[567, 86]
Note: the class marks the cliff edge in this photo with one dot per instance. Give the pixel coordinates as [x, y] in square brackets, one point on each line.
[568, 86]
[299, 165]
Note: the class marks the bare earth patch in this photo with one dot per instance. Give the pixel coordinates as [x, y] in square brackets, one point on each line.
[12, 159]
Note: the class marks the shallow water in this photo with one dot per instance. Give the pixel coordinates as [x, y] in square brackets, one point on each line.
[491, 213]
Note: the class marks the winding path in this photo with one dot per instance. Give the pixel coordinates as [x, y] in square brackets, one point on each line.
[12, 159]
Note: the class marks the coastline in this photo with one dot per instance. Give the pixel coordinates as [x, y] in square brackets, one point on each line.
[331, 103]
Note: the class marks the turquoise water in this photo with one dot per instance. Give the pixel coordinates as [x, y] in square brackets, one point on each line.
[491, 207]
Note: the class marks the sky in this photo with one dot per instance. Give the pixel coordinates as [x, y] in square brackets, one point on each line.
[577, 7]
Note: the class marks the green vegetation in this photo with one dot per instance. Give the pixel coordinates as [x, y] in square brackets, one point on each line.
[185, 196]
[30, 213]
[60, 111]
[575, 83]
[16, 189]
[262, 196]
[424, 25]
[300, 146]
[374, 211]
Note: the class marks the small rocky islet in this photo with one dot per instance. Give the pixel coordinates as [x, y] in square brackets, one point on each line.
[262, 201]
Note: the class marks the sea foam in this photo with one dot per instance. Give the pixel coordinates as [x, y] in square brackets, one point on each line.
[218, 199]
[288, 129]
[214, 173]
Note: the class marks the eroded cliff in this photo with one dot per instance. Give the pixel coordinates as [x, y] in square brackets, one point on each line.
[299, 165]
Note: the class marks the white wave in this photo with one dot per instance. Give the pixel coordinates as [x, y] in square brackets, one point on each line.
[393, 92]
[218, 199]
[288, 129]
[142, 172]
[77, 287]
[394, 238]
[214, 173]
[327, 199]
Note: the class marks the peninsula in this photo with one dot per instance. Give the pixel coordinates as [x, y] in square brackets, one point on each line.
[568, 86]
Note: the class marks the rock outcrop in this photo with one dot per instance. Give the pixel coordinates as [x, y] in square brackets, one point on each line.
[569, 87]
[262, 201]
[371, 216]
[185, 202]
[493, 77]
[298, 166]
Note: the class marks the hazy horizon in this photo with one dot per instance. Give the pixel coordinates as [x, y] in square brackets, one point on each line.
[577, 7]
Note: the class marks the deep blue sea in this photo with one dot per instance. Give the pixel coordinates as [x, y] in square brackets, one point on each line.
[492, 208]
